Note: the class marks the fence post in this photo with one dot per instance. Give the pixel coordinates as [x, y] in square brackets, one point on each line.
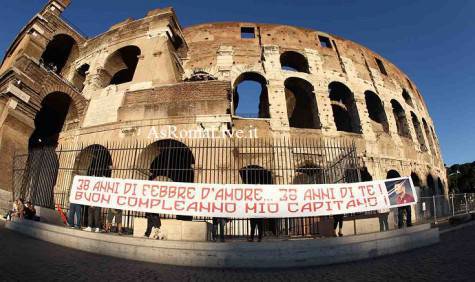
[466, 203]
[453, 207]
[435, 209]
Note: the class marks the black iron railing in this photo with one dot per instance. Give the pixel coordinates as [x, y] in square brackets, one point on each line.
[44, 175]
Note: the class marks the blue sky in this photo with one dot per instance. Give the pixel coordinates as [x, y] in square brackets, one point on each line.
[431, 41]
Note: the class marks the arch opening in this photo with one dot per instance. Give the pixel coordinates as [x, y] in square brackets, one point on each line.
[392, 174]
[345, 113]
[254, 174]
[431, 184]
[56, 111]
[407, 98]
[415, 179]
[302, 109]
[376, 112]
[58, 52]
[309, 174]
[80, 76]
[400, 119]
[440, 187]
[419, 134]
[94, 160]
[250, 97]
[120, 66]
[365, 175]
[294, 61]
[429, 136]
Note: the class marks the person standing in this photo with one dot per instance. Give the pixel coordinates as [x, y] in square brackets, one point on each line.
[117, 214]
[383, 215]
[153, 220]
[74, 213]
[221, 222]
[337, 222]
[401, 211]
[93, 219]
[259, 224]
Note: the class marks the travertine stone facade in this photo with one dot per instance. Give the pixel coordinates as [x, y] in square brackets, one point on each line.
[164, 75]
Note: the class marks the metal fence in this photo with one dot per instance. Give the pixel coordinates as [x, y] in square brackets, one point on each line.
[44, 175]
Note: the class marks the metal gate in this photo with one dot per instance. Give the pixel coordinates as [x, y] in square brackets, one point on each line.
[44, 175]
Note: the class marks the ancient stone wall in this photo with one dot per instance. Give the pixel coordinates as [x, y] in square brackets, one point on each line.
[149, 72]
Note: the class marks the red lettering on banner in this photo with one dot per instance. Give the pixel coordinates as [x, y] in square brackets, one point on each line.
[179, 205]
[373, 201]
[230, 207]
[130, 187]
[313, 194]
[121, 200]
[292, 207]
[311, 206]
[78, 195]
[370, 189]
[154, 203]
[106, 186]
[250, 207]
[338, 204]
[83, 184]
[205, 192]
[345, 191]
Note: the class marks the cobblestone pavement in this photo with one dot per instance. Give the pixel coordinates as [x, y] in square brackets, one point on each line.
[24, 258]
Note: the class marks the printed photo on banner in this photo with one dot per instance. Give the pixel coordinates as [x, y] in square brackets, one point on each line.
[400, 192]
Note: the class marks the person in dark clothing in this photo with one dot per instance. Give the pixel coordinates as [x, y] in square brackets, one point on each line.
[221, 222]
[30, 211]
[400, 216]
[337, 221]
[153, 220]
[93, 219]
[259, 224]
[74, 212]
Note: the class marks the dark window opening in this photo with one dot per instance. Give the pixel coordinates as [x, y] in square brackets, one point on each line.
[407, 98]
[345, 113]
[250, 96]
[254, 174]
[415, 179]
[49, 121]
[167, 160]
[324, 41]
[80, 76]
[121, 65]
[57, 52]
[174, 162]
[309, 174]
[428, 135]
[440, 186]
[94, 160]
[248, 32]
[294, 61]
[417, 128]
[400, 119]
[365, 175]
[392, 174]
[302, 109]
[381, 67]
[376, 112]
[431, 184]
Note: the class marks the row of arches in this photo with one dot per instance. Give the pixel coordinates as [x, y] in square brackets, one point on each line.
[61, 52]
[251, 99]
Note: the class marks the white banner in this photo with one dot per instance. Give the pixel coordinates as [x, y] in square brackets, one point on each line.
[241, 200]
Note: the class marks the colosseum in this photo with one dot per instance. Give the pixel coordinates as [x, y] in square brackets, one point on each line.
[323, 108]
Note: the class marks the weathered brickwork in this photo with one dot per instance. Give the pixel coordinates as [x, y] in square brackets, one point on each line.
[147, 72]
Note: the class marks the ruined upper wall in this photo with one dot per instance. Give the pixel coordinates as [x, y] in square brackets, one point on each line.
[205, 40]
